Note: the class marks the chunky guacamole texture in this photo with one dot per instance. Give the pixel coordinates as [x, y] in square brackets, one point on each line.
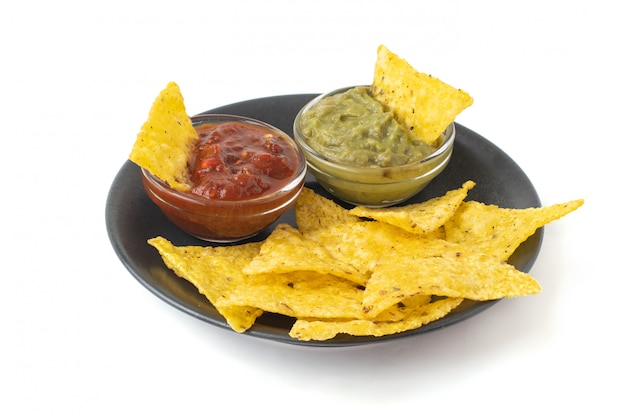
[354, 128]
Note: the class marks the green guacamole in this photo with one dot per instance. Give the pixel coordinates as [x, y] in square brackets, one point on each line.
[354, 128]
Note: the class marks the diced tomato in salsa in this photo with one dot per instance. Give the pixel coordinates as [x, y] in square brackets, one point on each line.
[238, 161]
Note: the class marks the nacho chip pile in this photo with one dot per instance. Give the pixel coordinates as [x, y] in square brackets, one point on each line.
[367, 272]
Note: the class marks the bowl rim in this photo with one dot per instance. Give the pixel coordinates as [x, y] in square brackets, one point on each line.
[449, 135]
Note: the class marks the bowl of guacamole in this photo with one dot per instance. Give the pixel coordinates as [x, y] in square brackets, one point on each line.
[361, 154]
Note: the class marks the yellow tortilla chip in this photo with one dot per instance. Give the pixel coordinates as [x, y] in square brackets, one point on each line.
[403, 309]
[438, 233]
[298, 294]
[471, 276]
[287, 250]
[316, 212]
[164, 142]
[304, 329]
[423, 104]
[497, 231]
[367, 244]
[419, 218]
[215, 272]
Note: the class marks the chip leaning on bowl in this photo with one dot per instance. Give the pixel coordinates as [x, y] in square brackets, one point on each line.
[379, 145]
[221, 178]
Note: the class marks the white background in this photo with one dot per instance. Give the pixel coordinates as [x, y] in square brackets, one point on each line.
[81, 337]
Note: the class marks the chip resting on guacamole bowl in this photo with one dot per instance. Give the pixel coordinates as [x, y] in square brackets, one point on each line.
[378, 145]
[423, 103]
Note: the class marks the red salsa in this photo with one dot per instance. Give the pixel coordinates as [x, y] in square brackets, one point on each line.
[239, 161]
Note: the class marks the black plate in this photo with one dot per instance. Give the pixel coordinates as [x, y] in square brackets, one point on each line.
[131, 219]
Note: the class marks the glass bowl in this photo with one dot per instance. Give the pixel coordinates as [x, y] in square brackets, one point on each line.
[372, 186]
[221, 220]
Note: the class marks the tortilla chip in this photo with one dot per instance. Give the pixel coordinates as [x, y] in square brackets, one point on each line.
[215, 272]
[403, 309]
[287, 250]
[164, 142]
[438, 233]
[299, 294]
[422, 103]
[471, 276]
[316, 212]
[419, 218]
[497, 231]
[323, 330]
[367, 244]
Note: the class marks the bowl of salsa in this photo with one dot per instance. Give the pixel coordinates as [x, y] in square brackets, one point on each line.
[361, 154]
[242, 175]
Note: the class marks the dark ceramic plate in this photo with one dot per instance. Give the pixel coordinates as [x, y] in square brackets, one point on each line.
[131, 219]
